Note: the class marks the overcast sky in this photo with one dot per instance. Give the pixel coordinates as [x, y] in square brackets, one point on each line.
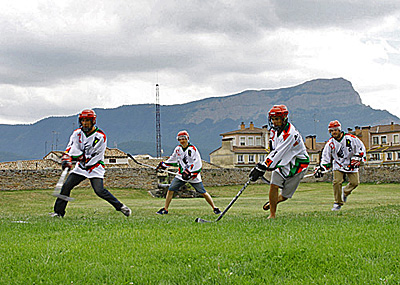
[59, 57]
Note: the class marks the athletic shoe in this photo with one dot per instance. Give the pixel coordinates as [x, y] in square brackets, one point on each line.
[266, 206]
[126, 211]
[336, 207]
[55, 215]
[217, 211]
[162, 211]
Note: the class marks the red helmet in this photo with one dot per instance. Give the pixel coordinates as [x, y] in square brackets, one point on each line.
[334, 125]
[278, 111]
[183, 134]
[88, 114]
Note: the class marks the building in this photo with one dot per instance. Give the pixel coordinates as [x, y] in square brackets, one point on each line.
[247, 146]
[382, 143]
[314, 149]
[241, 148]
[112, 157]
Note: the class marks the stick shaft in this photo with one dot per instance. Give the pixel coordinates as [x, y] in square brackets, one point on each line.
[60, 182]
[233, 200]
[312, 174]
[151, 166]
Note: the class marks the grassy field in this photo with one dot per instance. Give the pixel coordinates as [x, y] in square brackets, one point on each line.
[306, 244]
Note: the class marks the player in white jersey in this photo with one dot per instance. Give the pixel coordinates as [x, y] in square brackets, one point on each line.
[288, 159]
[86, 147]
[188, 160]
[343, 153]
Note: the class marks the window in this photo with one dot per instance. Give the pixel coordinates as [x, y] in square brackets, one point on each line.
[262, 157]
[242, 140]
[258, 141]
[112, 160]
[383, 140]
[375, 140]
[376, 156]
[251, 158]
[395, 138]
[389, 156]
[398, 155]
[240, 158]
[250, 140]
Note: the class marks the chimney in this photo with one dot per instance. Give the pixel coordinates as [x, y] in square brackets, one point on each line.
[227, 143]
[365, 137]
[311, 142]
[251, 126]
[242, 126]
[358, 131]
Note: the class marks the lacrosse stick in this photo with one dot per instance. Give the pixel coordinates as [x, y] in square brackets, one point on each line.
[59, 184]
[151, 166]
[199, 220]
[312, 174]
[263, 179]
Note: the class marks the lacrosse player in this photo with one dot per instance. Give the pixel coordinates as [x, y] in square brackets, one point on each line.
[86, 147]
[187, 157]
[343, 152]
[288, 159]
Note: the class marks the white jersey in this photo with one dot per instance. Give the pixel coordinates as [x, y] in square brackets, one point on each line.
[338, 154]
[88, 150]
[188, 158]
[288, 154]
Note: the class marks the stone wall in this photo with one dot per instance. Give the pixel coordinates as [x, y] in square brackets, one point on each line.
[225, 176]
[142, 178]
[138, 178]
[47, 179]
[383, 174]
[369, 174]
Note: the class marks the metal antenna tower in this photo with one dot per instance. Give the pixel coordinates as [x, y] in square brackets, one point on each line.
[158, 125]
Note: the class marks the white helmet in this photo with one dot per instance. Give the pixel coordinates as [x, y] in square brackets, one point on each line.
[334, 125]
[183, 134]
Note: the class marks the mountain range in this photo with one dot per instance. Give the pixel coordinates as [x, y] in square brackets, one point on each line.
[131, 128]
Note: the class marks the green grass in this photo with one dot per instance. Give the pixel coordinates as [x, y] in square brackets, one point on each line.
[306, 244]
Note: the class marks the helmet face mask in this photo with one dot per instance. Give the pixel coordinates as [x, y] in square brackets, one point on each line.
[87, 115]
[279, 111]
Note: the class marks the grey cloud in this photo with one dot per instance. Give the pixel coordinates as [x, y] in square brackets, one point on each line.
[38, 64]
[30, 104]
[331, 13]
[249, 18]
[220, 45]
[236, 19]
[167, 35]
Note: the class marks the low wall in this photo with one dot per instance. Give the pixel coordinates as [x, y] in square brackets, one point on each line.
[146, 178]
[383, 174]
[47, 179]
[224, 176]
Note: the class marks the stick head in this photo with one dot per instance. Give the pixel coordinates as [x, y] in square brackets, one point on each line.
[199, 220]
[63, 197]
